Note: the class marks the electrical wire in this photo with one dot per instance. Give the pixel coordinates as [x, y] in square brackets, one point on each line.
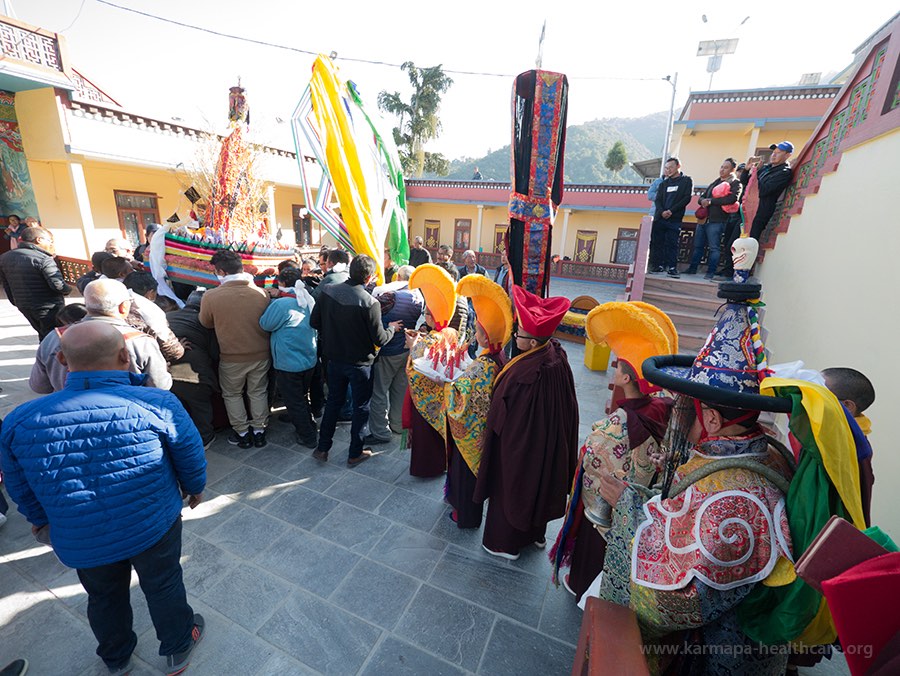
[75, 20]
[264, 43]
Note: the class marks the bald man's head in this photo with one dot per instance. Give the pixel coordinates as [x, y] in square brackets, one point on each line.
[107, 298]
[93, 346]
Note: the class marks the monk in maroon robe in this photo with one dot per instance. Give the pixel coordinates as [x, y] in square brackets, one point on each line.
[531, 441]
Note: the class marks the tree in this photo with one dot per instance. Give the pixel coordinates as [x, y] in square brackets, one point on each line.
[419, 121]
[617, 157]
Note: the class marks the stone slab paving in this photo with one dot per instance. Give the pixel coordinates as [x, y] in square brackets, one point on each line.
[302, 567]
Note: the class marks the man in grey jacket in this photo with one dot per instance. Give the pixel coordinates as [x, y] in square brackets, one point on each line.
[108, 301]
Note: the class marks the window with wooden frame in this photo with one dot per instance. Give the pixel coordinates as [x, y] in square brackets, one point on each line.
[136, 210]
[302, 222]
[624, 246]
[462, 234]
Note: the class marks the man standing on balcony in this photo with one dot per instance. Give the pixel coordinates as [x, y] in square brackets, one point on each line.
[722, 203]
[771, 180]
[672, 198]
[32, 281]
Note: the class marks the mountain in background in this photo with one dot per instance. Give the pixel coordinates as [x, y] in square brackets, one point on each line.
[586, 148]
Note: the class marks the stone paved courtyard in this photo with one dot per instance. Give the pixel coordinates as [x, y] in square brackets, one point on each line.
[303, 568]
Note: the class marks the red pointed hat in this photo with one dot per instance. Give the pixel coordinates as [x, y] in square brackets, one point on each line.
[539, 317]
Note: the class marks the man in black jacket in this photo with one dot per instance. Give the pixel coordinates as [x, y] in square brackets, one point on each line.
[418, 254]
[771, 181]
[349, 324]
[672, 198]
[336, 266]
[195, 377]
[32, 281]
[709, 234]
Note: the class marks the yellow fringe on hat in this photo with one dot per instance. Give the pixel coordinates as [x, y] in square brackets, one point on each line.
[664, 321]
[437, 286]
[630, 331]
[493, 308]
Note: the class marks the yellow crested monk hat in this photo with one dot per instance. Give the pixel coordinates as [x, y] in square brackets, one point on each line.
[439, 290]
[493, 309]
[634, 331]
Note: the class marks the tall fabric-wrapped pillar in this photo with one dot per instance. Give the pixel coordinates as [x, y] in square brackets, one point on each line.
[540, 101]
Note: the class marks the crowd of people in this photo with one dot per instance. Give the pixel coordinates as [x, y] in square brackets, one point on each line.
[718, 215]
[459, 366]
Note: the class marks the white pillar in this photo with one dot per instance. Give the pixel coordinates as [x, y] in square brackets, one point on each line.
[79, 186]
[270, 202]
[477, 246]
[751, 146]
[565, 230]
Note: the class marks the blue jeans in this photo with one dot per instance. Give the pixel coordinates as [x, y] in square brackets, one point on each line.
[339, 377]
[109, 600]
[671, 229]
[707, 235]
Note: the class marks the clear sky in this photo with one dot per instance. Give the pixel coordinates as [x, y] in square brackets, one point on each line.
[615, 54]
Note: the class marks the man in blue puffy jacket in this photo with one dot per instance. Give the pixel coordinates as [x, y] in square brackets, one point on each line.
[105, 464]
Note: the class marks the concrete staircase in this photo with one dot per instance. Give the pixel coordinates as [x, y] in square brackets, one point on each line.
[690, 302]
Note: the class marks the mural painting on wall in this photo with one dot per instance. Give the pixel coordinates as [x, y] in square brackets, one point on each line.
[16, 192]
[432, 234]
[584, 246]
[500, 237]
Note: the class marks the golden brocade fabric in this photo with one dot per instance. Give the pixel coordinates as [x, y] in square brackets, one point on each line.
[426, 394]
[468, 401]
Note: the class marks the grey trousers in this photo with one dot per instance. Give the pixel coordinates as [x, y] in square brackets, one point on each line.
[388, 389]
[254, 375]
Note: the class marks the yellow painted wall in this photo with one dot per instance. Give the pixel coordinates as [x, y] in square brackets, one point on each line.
[285, 199]
[798, 137]
[55, 196]
[605, 223]
[41, 124]
[103, 179]
[830, 295]
[701, 155]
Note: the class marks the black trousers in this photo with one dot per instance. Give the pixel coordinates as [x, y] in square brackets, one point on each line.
[197, 398]
[109, 600]
[294, 388]
[42, 319]
[657, 244]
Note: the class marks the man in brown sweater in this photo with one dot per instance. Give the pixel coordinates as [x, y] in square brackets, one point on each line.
[233, 310]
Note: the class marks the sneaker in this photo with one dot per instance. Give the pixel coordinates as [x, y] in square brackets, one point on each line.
[311, 442]
[673, 273]
[656, 271]
[124, 670]
[691, 271]
[540, 544]
[240, 440]
[362, 457]
[178, 662]
[321, 455]
[259, 438]
[15, 668]
[565, 582]
[502, 555]
[208, 443]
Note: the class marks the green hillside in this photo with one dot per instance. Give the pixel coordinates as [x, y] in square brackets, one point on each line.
[586, 148]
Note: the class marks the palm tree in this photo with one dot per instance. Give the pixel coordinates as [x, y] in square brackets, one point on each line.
[418, 120]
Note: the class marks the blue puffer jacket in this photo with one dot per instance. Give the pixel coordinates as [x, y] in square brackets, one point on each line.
[101, 461]
[293, 340]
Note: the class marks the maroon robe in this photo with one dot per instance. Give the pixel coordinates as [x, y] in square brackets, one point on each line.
[530, 448]
[428, 450]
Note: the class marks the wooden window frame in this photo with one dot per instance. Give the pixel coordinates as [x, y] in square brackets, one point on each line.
[620, 237]
[121, 211]
[295, 209]
[457, 228]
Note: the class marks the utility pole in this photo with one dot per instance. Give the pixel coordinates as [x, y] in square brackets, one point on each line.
[665, 152]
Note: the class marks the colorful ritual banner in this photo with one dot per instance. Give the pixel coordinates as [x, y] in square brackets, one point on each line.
[585, 241]
[500, 237]
[432, 234]
[16, 192]
[539, 105]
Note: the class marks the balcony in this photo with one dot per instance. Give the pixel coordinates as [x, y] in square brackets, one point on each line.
[31, 58]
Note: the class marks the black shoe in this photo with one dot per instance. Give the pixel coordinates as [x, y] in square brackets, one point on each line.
[16, 668]
[673, 273]
[311, 442]
[318, 413]
[321, 455]
[240, 440]
[259, 439]
[178, 662]
[656, 271]
[371, 440]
